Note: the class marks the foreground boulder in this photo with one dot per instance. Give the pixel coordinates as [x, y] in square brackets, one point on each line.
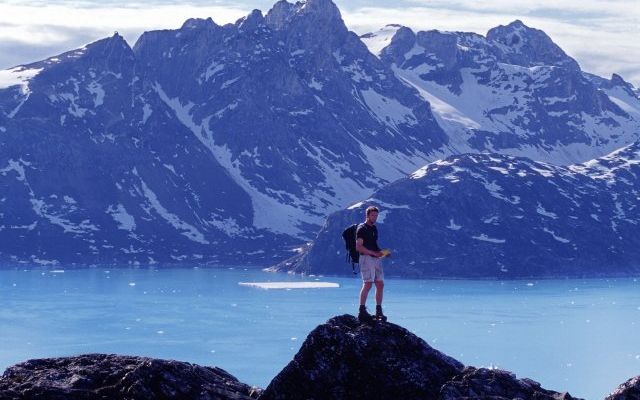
[344, 359]
[101, 376]
[483, 383]
[630, 390]
[339, 360]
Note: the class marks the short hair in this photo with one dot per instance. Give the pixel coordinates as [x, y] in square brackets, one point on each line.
[372, 209]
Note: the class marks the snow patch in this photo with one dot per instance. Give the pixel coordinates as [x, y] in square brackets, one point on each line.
[540, 210]
[314, 84]
[98, 92]
[146, 113]
[18, 76]
[124, 220]
[483, 237]
[42, 209]
[17, 167]
[212, 70]
[377, 41]
[228, 83]
[185, 229]
[227, 225]
[453, 226]
[387, 110]
[556, 237]
[269, 213]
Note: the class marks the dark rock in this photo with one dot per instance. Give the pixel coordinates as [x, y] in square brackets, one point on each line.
[341, 359]
[344, 359]
[102, 376]
[483, 383]
[630, 390]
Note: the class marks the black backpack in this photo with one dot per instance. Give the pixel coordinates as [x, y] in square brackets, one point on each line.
[349, 236]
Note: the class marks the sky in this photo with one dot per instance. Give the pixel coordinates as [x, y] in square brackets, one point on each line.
[602, 35]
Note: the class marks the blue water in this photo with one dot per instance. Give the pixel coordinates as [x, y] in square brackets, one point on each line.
[570, 335]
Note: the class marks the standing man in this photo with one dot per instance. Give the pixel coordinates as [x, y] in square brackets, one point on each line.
[370, 264]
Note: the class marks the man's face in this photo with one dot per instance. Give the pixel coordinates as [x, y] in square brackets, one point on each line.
[372, 217]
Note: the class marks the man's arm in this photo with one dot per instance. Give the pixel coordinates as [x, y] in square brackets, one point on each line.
[363, 250]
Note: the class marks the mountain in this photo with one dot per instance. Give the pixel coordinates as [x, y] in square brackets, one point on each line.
[231, 144]
[498, 216]
[513, 91]
[94, 171]
[222, 144]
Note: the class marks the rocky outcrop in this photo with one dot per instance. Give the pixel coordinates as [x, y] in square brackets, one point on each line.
[344, 359]
[102, 376]
[630, 390]
[339, 360]
[483, 383]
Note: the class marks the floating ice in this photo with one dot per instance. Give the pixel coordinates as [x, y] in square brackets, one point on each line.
[290, 285]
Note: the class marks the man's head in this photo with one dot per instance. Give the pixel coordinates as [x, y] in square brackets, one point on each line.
[372, 214]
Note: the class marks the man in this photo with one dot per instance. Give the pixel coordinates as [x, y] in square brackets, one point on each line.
[370, 264]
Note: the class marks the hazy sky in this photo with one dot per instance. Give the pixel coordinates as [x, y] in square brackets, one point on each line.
[602, 35]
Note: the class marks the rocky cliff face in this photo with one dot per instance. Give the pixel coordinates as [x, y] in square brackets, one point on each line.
[498, 216]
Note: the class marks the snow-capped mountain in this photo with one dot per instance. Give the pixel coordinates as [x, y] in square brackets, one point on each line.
[212, 143]
[94, 168]
[488, 215]
[231, 144]
[512, 91]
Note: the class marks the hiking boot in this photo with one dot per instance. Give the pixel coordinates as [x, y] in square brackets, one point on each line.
[379, 315]
[364, 316]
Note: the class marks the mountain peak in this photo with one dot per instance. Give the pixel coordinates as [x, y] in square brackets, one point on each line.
[377, 41]
[251, 21]
[617, 80]
[323, 12]
[517, 24]
[114, 40]
[322, 6]
[104, 51]
[198, 23]
[526, 46]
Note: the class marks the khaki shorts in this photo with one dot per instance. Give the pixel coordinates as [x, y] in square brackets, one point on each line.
[371, 268]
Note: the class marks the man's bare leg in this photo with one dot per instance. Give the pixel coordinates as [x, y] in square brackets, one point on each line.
[364, 292]
[379, 291]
